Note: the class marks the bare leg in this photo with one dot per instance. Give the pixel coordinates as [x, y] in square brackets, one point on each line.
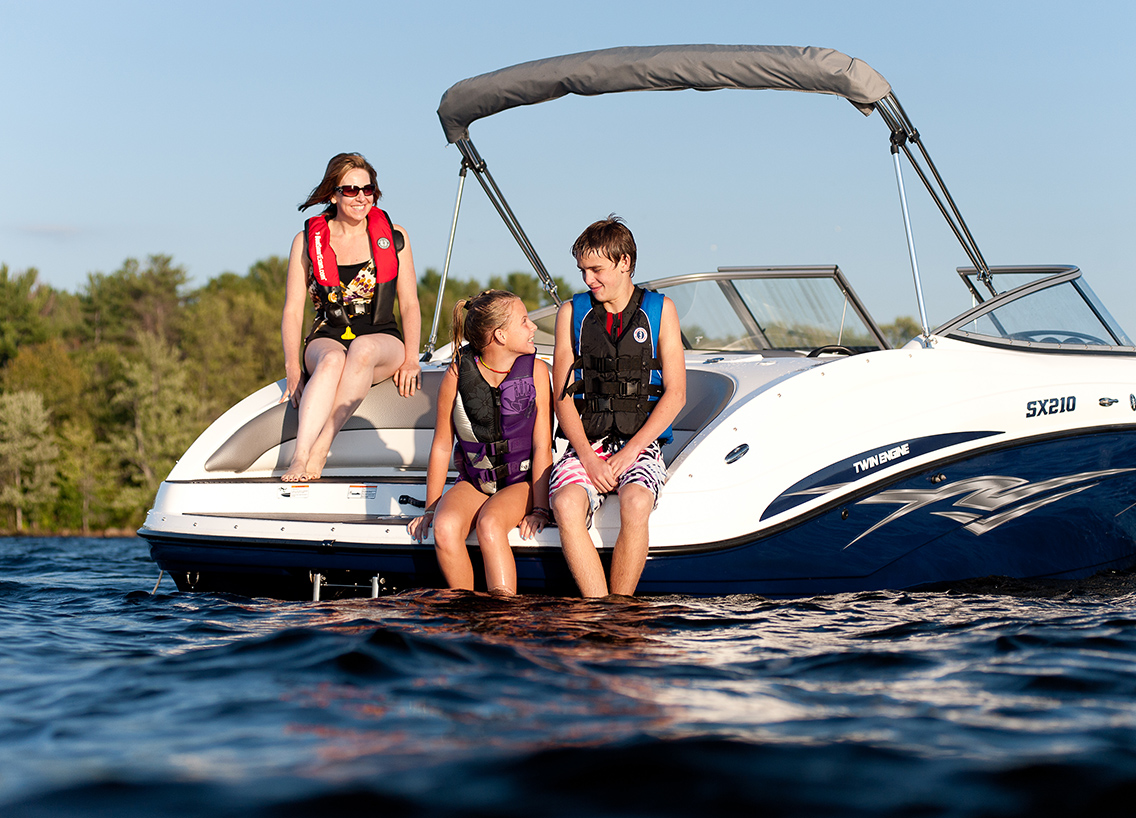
[453, 520]
[501, 514]
[630, 554]
[325, 359]
[570, 504]
[370, 359]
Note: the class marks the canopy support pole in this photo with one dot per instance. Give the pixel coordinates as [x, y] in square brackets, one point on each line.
[489, 185]
[910, 242]
[430, 345]
[903, 132]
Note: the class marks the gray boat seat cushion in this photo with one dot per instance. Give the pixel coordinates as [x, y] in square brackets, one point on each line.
[706, 394]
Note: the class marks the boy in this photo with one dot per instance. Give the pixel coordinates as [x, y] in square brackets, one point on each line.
[620, 378]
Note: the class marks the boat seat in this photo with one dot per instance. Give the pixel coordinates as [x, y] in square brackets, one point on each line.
[382, 408]
[707, 394]
[383, 411]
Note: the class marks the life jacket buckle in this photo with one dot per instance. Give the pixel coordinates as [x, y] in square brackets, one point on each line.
[497, 447]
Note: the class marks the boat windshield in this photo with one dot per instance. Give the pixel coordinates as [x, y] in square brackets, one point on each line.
[1057, 312]
[785, 310]
[778, 310]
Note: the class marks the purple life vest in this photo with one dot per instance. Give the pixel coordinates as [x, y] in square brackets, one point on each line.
[494, 425]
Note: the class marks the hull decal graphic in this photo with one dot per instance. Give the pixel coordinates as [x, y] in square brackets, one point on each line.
[863, 465]
[985, 495]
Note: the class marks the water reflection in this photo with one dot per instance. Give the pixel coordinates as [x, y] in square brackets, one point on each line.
[456, 702]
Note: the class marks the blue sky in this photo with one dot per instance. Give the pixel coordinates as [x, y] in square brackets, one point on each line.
[194, 129]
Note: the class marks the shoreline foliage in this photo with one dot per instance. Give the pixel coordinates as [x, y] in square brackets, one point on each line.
[102, 390]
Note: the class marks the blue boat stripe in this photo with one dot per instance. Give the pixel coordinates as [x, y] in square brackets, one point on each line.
[862, 465]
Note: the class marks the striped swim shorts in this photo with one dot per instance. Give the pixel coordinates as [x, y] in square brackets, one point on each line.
[648, 471]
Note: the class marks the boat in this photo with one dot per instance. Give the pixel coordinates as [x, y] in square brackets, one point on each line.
[811, 457]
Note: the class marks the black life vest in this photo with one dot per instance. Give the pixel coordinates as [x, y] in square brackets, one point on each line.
[494, 425]
[617, 382]
[385, 243]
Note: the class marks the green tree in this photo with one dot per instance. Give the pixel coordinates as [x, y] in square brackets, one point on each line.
[135, 300]
[232, 334]
[428, 296]
[87, 487]
[525, 285]
[269, 277]
[50, 369]
[529, 288]
[25, 301]
[27, 455]
[900, 331]
[159, 417]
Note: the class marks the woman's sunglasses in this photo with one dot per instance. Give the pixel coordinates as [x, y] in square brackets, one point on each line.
[351, 191]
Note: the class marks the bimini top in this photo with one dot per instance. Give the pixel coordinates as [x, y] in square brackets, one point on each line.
[661, 68]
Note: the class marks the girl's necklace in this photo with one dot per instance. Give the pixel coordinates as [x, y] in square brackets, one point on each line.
[491, 369]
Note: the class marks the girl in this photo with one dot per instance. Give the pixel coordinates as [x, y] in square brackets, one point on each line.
[495, 398]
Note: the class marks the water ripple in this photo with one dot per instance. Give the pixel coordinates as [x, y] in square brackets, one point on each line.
[990, 699]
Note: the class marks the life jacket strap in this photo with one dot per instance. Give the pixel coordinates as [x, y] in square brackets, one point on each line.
[627, 389]
[500, 474]
[624, 363]
[331, 305]
[494, 448]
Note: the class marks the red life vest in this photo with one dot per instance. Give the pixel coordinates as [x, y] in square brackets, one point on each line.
[383, 251]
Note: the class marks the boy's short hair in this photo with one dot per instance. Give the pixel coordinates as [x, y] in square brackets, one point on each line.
[608, 237]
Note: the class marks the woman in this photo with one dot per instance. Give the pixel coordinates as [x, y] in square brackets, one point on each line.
[495, 391]
[353, 263]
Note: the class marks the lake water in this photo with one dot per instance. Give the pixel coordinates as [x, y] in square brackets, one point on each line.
[994, 699]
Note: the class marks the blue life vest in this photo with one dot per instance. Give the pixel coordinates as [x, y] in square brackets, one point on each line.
[617, 381]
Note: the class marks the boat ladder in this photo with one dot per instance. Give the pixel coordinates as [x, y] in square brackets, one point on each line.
[320, 581]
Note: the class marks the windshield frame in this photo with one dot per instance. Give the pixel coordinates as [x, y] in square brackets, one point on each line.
[725, 276]
[1051, 276]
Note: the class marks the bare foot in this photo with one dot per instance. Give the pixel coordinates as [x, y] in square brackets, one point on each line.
[294, 473]
[314, 468]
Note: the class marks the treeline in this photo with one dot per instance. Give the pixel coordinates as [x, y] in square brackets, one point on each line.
[102, 390]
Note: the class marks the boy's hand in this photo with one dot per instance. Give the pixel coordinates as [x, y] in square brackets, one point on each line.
[621, 461]
[599, 471]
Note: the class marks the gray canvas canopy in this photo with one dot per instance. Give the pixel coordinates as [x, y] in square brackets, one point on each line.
[676, 68]
[661, 68]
